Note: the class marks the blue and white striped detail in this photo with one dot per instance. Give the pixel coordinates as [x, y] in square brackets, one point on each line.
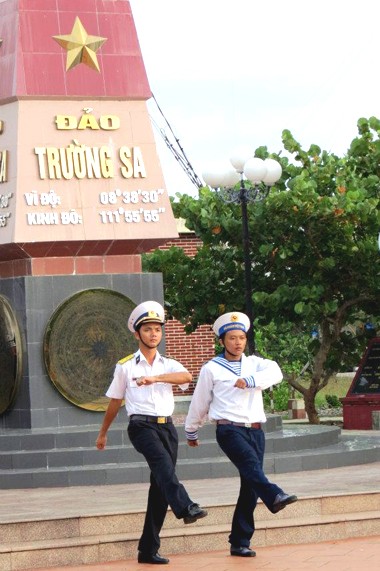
[192, 435]
[250, 382]
[235, 367]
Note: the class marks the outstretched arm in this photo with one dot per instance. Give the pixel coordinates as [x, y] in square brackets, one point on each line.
[179, 378]
[110, 415]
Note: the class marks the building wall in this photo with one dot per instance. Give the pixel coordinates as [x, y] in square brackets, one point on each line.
[195, 349]
[187, 241]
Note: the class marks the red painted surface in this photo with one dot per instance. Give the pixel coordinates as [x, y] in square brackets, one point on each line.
[357, 411]
[34, 88]
[68, 265]
[33, 64]
[358, 407]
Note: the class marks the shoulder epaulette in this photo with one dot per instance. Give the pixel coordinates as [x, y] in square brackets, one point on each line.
[125, 359]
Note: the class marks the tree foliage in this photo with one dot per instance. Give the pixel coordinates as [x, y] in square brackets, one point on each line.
[314, 252]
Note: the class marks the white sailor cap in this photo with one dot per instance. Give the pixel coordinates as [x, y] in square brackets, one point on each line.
[230, 321]
[146, 312]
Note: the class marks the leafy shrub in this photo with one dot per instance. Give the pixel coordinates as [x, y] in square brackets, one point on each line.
[281, 395]
[333, 401]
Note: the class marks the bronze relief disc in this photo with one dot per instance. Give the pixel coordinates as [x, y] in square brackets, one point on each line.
[10, 355]
[84, 339]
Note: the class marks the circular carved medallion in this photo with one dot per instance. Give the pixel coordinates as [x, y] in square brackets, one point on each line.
[10, 355]
[84, 339]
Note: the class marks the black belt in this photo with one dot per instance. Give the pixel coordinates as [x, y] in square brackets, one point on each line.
[256, 425]
[157, 419]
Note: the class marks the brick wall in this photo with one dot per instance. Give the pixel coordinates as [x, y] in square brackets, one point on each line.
[191, 350]
[195, 349]
[187, 241]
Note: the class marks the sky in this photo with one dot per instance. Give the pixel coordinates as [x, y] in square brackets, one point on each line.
[227, 74]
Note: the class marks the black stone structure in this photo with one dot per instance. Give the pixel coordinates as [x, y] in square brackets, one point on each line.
[41, 458]
[38, 405]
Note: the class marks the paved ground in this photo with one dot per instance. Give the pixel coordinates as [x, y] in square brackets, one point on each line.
[45, 503]
[348, 555]
[345, 555]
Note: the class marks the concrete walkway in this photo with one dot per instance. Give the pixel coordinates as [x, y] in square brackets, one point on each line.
[352, 554]
[347, 555]
[48, 503]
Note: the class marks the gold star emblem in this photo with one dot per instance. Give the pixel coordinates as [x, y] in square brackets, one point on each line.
[80, 47]
[152, 314]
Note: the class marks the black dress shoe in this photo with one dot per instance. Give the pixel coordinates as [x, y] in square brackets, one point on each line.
[281, 501]
[242, 551]
[194, 512]
[151, 558]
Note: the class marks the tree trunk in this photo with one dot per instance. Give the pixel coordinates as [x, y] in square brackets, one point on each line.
[330, 330]
[311, 411]
[319, 377]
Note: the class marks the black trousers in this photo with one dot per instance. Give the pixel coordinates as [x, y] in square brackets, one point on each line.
[245, 448]
[158, 443]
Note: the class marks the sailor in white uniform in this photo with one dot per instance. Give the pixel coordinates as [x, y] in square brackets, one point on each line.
[145, 381]
[229, 391]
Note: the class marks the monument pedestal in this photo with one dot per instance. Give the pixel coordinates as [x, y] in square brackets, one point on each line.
[363, 396]
[39, 404]
[357, 411]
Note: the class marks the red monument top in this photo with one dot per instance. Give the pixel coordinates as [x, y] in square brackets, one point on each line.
[79, 171]
[41, 39]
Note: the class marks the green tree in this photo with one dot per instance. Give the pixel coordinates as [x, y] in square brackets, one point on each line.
[315, 259]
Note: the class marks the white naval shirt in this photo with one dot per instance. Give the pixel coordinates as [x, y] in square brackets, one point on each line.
[156, 399]
[216, 394]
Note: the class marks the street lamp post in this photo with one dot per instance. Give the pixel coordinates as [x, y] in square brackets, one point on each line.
[262, 174]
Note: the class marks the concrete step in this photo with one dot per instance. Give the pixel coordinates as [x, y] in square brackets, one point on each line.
[85, 436]
[292, 449]
[121, 451]
[111, 537]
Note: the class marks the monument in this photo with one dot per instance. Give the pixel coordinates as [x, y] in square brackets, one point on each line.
[82, 195]
[363, 396]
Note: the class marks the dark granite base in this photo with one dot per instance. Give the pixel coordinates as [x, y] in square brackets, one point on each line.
[68, 456]
[34, 299]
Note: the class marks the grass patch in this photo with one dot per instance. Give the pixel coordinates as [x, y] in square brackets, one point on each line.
[336, 386]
